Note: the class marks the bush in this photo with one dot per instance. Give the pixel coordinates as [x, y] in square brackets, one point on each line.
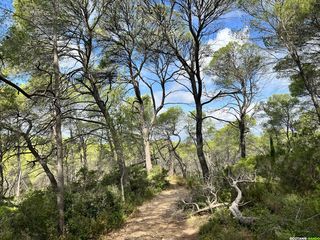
[223, 227]
[91, 207]
[158, 179]
[35, 218]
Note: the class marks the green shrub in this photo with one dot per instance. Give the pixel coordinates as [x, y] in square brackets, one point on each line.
[36, 217]
[91, 208]
[223, 227]
[158, 179]
[6, 215]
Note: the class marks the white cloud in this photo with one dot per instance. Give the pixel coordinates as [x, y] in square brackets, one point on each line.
[222, 39]
[182, 97]
[226, 36]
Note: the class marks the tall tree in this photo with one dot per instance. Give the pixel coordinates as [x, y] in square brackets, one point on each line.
[236, 70]
[282, 111]
[90, 80]
[38, 26]
[133, 36]
[185, 26]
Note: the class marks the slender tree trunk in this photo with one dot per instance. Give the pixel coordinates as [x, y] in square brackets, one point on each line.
[200, 143]
[100, 156]
[242, 138]
[311, 89]
[117, 144]
[234, 207]
[19, 169]
[39, 159]
[1, 180]
[171, 164]
[58, 129]
[181, 164]
[272, 152]
[173, 151]
[143, 123]
[146, 144]
[84, 151]
[1, 171]
[120, 160]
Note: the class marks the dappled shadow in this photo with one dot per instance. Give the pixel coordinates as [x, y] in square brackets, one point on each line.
[158, 219]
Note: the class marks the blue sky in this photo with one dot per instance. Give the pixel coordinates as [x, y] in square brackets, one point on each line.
[7, 4]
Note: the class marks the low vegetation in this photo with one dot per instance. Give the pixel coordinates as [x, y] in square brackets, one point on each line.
[93, 206]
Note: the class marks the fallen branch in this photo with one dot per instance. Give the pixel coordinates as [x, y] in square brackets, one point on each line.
[234, 207]
[210, 208]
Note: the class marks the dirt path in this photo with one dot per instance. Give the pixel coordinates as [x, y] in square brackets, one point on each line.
[159, 219]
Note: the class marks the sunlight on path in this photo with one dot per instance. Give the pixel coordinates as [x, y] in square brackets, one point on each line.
[158, 219]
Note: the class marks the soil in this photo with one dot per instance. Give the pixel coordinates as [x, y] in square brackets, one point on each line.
[160, 219]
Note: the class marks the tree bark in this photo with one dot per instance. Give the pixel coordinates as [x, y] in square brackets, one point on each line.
[19, 169]
[84, 151]
[309, 86]
[114, 136]
[1, 171]
[88, 39]
[42, 162]
[200, 143]
[146, 144]
[58, 127]
[242, 138]
[175, 154]
[234, 207]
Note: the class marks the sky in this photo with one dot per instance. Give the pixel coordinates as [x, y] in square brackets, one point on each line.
[229, 24]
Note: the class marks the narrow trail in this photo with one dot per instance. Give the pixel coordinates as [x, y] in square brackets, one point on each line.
[159, 219]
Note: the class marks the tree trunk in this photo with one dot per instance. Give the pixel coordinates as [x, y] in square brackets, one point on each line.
[19, 169]
[200, 144]
[234, 208]
[39, 159]
[84, 151]
[146, 144]
[1, 180]
[310, 89]
[143, 123]
[58, 129]
[272, 152]
[173, 150]
[181, 164]
[242, 138]
[120, 161]
[171, 164]
[1, 171]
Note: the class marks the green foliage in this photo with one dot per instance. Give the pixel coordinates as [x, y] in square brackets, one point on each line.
[280, 215]
[193, 182]
[91, 206]
[223, 227]
[236, 64]
[140, 188]
[35, 218]
[244, 165]
[144, 186]
[283, 215]
[157, 178]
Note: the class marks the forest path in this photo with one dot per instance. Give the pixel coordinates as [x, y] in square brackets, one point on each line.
[160, 219]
